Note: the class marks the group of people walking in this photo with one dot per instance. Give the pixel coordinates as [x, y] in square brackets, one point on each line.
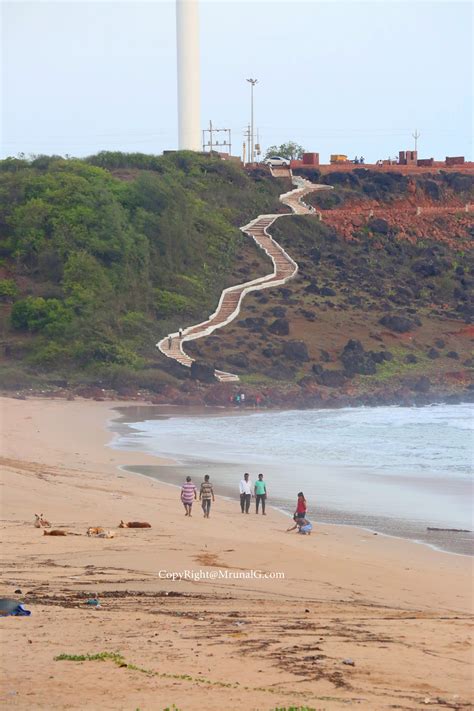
[246, 493]
[189, 495]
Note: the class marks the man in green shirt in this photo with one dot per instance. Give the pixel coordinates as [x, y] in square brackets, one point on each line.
[260, 494]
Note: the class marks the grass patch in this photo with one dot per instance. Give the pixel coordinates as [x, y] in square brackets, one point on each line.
[101, 657]
[257, 379]
[119, 660]
[14, 377]
[397, 368]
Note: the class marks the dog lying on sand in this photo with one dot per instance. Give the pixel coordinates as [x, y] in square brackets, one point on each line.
[58, 532]
[134, 524]
[41, 522]
[99, 532]
[95, 530]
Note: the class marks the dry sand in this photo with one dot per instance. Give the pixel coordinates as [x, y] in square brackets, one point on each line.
[400, 611]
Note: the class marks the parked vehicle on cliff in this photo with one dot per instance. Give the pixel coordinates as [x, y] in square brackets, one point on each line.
[276, 161]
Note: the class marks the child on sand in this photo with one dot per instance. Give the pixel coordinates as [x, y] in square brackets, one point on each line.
[188, 495]
[303, 525]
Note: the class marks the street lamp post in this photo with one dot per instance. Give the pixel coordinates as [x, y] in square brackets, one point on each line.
[252, 83]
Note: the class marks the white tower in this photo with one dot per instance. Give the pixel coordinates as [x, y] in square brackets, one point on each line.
[189, 108]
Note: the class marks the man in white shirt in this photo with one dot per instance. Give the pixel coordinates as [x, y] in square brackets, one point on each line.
[245, 493]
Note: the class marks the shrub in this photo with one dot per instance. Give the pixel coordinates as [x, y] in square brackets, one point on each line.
[114, 375]
[167, 303]
[153, 379]
[8, 290]
[35, 314]
[105, 352]
[325, 200]
[50, 354]
[135, 323]
[13, 377]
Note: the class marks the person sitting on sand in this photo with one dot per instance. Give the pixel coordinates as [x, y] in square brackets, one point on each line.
[206, 495]
[301, 507]
[188, 495]
[303, 525]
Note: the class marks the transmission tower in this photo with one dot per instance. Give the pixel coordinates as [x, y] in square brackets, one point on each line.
[209, 141]
[416, 136]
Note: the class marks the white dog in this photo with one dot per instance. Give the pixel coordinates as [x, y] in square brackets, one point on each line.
[41, 522]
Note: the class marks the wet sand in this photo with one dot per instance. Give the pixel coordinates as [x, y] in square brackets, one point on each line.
[453, 541]
[399, 614]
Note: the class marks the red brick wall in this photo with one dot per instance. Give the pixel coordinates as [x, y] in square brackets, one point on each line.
[310, 158]
[455, 160]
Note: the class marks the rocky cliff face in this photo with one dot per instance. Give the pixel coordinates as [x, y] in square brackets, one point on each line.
[382, 307]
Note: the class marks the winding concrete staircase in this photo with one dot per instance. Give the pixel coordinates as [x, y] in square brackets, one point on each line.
[284, 269]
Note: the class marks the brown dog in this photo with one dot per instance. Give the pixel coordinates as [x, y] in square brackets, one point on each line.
[41, 522]
[55, 532]
[99, 532]
[134, 524]
[95, 530]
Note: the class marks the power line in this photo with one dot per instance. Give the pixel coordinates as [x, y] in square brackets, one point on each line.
[211, 143]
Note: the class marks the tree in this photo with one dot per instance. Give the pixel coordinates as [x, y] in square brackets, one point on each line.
[35, 314]
[290, 150]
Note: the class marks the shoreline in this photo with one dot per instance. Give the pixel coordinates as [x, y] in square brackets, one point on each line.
[334, 399]
[400, 611]
[174, 472]
[287, 515]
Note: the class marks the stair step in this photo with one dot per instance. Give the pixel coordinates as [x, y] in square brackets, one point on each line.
[284, 269]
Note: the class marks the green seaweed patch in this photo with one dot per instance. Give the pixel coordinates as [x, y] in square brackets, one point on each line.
[119, 660]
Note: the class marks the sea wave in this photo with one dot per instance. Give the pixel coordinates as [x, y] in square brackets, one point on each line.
[430, 441]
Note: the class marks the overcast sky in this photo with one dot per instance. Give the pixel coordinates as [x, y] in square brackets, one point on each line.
[338, 77]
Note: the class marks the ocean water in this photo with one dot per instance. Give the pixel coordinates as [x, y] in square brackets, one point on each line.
[392, 469]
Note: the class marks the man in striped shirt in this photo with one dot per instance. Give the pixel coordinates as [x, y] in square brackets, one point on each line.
[188, 495]
[205, 496]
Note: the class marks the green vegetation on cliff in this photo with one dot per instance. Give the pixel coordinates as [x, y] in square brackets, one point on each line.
[99, 258]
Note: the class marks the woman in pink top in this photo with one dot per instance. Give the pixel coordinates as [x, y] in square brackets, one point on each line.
[188, 495]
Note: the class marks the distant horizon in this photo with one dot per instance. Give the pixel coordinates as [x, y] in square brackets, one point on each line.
[356, 78]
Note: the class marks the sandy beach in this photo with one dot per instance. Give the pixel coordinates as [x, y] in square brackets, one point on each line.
[339, 618]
